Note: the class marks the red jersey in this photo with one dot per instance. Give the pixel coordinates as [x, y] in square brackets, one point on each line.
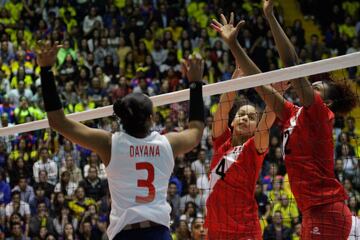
[232, 211]
[309, 154]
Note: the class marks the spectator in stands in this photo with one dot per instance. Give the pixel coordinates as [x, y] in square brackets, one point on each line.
[80, 202]
[94, 161]
[26, 191]
[65, 185]
[277, 230]
[193, 196]
[289, 211]
[94, 186]
[44, 184]
[62, 219]
[41, 219]
[198, 166]
[17, 206]
[174, 199]
[72, 169]
[262, 201]
[47, 164]
[5, 193]
[197, 229]
[39, 198]
[17, 232]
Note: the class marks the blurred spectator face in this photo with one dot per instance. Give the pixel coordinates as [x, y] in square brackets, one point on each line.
[94, 158]
[190, 209]
[183, 228]
[350, 123]
[68, 229]
[16, 230]
[314, 40]
[278, 153]
[187, 172]
[16, 198]
[87, 228]
[121, 42]
[103, 42]
[92, 12]
[193, 190]
[172, 189]
[347, 185]
[44, 154]
[65, 177]
[284, 200]
[22, 144]
[95, 83]
[277, 218]
[339, 165]
[202, 155]
[273, 170]
[168, 124]
[92, 209]
[50, 237]
[297, 229]
[41, 208]
[92, 174]
[352, 202]
[42, 233]
[4, 46]
[69, 59]
[66, 44]
[345, 150]
[60, 198]
[197, 229]
[22, 184]
[90, 58]
[80, 193]
[40, 192]
[43, 176]
[258, 189]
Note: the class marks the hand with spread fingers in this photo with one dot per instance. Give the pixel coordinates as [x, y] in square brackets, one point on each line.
[46, 53]
[193, 68]
[227, 30]
[268, 8]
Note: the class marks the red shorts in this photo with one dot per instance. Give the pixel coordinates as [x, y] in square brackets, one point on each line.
[325, 222]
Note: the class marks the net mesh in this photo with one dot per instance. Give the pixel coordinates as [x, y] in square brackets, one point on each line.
[64, 177]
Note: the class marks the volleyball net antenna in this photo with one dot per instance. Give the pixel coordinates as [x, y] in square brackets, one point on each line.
[304, 70]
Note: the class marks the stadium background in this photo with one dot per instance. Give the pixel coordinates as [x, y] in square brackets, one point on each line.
[112, 48]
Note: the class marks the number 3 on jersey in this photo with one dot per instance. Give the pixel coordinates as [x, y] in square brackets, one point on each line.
[148, 183]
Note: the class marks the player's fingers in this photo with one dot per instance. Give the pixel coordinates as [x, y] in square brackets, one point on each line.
[216, 22]
[223, 19]
[231, 18]
[215, 27]
[240, 25]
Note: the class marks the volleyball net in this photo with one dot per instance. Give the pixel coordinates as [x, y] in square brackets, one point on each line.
[190, 174]
[304, 70]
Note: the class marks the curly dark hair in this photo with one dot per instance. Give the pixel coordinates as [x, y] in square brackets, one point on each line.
[134, 111]
[343, 97]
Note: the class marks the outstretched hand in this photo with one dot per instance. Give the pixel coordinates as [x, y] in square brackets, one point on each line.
[227, 30]
[193, 68]
[46, 53]
[268, 8]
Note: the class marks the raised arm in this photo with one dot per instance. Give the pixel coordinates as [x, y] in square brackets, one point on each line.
[188, 139]
[288, 54]
[221, 116]
[96, 140]
[229, 34]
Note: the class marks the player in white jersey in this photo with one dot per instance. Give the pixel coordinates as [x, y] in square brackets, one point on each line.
[138, 161]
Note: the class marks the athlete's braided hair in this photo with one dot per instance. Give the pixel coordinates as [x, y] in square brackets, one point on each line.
[134, 111]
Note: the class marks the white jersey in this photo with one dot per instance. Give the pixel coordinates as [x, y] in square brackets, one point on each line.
[138, 176]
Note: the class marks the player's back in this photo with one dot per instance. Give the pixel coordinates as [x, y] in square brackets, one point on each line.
[138, 175]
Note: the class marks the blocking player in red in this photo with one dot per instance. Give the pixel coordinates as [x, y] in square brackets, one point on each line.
[240, 141]
[308, 145]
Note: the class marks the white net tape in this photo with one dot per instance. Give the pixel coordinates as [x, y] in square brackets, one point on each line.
[284, 74]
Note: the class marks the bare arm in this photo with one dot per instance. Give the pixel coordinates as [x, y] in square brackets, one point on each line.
[221, 116]
[262, 135]
[288, 55]
[96, 140]
[269, 95]
[186, 140]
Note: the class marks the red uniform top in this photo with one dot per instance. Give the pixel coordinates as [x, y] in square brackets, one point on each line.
[309, 154]
[231, 205]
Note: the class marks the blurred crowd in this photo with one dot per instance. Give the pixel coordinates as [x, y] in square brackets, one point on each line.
[53, 189]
